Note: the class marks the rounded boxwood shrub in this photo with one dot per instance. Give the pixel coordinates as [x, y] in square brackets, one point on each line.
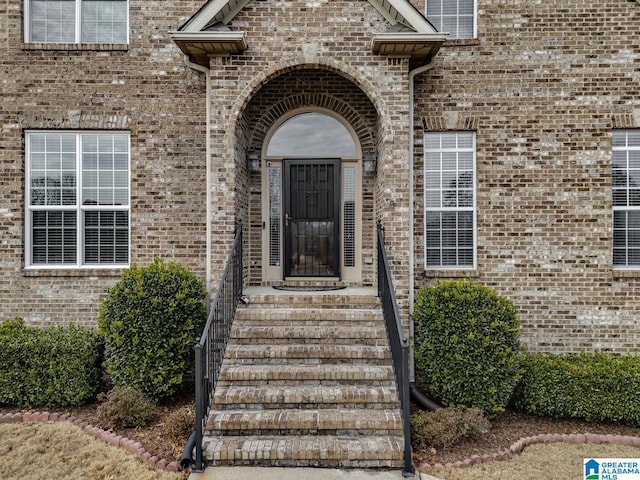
[151, 320]
[53, 367]
[467, 345]
[124, 408]
[447, 426]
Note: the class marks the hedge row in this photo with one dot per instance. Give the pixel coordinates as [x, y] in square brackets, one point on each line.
[592, 386]
[48, 367]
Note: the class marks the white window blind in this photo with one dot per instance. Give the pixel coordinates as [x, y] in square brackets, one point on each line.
[626, 198]
[449, 193]
[76, 21]
[456, 17]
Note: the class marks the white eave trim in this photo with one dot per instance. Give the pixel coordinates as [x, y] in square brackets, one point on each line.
[201, 45]
[418, 46]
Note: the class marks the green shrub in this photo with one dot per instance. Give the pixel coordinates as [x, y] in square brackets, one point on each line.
[466, 345]
[151, 321]
[447, 426]
[591, 386]
[125, 408]
[54, 367]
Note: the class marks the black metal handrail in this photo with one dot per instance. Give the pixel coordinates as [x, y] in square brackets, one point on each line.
[399, 345]
[213, 342]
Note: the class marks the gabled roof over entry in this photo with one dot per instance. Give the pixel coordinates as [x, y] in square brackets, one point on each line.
[206, 33]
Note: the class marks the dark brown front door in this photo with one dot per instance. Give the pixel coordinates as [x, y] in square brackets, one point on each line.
[312, 218]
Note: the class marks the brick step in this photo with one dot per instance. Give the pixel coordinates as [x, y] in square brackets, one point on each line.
[306, 450]
[317, 300]
[305, 422]
[339, 335]
[311, 353]
[305, 396]
[287, 374]
[315, 316]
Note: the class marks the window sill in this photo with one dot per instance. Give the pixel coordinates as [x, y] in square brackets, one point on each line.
[74, 272]
[626, 273]
[76, 46]
[461, 42]
[456, 273]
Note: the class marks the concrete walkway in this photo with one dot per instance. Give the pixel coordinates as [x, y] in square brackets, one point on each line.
[275, 473]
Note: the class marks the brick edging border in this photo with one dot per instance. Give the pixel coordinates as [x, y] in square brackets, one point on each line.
[106, 436]
[518, 446]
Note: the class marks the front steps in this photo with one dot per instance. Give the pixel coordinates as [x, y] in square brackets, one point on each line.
[306, 381]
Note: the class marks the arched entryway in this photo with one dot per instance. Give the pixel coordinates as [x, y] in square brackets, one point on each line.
[311, 197]
[311, 137]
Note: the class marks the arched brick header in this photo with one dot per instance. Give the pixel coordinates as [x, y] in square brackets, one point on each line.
[369, 134]
[356, 120]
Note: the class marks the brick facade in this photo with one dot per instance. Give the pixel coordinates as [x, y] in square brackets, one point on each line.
[542, 86]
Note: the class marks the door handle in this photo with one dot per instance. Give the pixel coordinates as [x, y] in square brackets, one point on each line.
[286, 219]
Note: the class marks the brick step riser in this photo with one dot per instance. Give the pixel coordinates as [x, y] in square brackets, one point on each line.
[305, 422]
[309, 351]
[308, 382]
[325, 451]
[305, 322]
[266, 342]
[223, 405]
[308, 314]
[298, 431]
[294, 398]
[307, 361]
[312, 302]
[269, 374]
[308, 334]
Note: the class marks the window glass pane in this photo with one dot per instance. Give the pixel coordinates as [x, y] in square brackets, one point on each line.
[53, 237]
[619, 177]
[633, 219]
[465, 27]
[450, 26]
[312, 135]
[620, 198]
[434, 7]
[106, 237]
[633, 138]
[450, 7]
[104, 21]
[633, 257]
[104, 170]
[53, 21]
[634, 159]
[432, 161]
[52, 164]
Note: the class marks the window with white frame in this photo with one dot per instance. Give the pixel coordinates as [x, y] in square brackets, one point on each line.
[449, 196]
[76, 21]
[456, 17]
[77, 205]
[626, 198]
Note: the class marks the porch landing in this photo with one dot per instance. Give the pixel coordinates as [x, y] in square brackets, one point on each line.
[307, 381]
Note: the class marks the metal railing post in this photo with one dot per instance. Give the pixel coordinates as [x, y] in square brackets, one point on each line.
[398, 344]
[209, 351]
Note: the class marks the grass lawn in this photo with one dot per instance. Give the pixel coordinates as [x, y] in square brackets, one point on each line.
[560, 461]
[61, 450]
